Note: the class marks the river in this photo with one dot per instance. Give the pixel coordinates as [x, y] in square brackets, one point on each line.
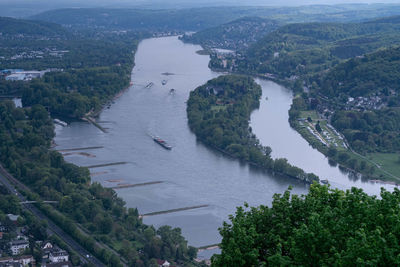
[191, 173]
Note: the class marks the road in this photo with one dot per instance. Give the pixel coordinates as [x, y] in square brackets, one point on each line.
[10, 183]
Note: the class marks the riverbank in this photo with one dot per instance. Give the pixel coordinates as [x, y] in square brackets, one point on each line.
[219, 114]
[333, 144]
[369, 170]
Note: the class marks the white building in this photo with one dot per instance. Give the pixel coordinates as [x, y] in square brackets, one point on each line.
[18, 246]
[58, 255]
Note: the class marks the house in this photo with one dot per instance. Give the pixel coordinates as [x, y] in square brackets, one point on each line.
[3, 228]
[53, 254]
[16, 77]
[58, 255]
[11, 264]
[57, 264]
[163, 263]
[46, 245]
[25, 260]
[19, 261]
[13, 218]
[18, 246]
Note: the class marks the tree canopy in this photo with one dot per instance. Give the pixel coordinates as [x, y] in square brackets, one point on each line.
[326, 227]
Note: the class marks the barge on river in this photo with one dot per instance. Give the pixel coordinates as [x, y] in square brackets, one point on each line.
[162, 143]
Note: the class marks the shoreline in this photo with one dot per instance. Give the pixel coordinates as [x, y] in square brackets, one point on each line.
[390, 179]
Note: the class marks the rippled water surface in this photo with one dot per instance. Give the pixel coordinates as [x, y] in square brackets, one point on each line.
[191, 173]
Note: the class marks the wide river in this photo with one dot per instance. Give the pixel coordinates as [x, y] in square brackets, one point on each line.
[191, 173]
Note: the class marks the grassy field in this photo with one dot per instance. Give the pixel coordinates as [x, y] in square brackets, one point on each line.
[388, 161]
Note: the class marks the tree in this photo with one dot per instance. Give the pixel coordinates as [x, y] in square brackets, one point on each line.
[318, 127]
[323, 228]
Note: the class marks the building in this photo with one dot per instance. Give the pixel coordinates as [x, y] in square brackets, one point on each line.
[25, 260]
[18, 246]
[53, 254]
[57, 264]
[16, 77]
[19, 261]
[58, 255]
[163, 263]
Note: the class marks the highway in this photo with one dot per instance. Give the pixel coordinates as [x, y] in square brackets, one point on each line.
[10, 183]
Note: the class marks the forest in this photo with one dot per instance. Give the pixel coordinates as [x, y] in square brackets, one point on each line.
[219, 113]
[235, 35]
[195, 19]
[88, 68]
[96, 66]
[370, 78]
[25, 137]
[367, 75]
[323, 228]
[306, 49]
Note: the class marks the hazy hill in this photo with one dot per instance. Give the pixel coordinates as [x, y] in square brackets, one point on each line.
[297, 49]
[11, 26]
[195, 19]
[379, 71]
[236, 35]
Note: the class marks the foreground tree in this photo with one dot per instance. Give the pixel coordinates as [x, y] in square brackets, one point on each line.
[323, 228]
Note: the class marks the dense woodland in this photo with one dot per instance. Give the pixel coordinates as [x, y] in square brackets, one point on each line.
[236, 35]
[195, 19]
[25, 136]
[219, 113]
[373, 75]
[96, 67]
[91, 68]
[370, 131]
[74, 93]
[307, 48]
[323, 228]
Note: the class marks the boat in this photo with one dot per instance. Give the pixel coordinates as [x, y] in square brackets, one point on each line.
[324, 181]
[149, 85]
[162, 143]
[164, 82]
[172, 90]
[60, 122]
[167, 73]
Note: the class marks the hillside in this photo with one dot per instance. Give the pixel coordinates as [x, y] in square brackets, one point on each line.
[10, 27]
[142, 19]
[307, 48]
[236, 35]
[370, 74]
[195, 19]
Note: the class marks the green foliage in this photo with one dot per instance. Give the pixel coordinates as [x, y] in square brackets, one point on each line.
[24, 151]
[236, 35]
[11, 26]
[305, 49]
[91, 67]
[373, 73]
[370, 131]
[323, 228]
[227, 127]
[73, 93]
[194, 19]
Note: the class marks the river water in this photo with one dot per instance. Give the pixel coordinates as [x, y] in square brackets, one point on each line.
[191, 173]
